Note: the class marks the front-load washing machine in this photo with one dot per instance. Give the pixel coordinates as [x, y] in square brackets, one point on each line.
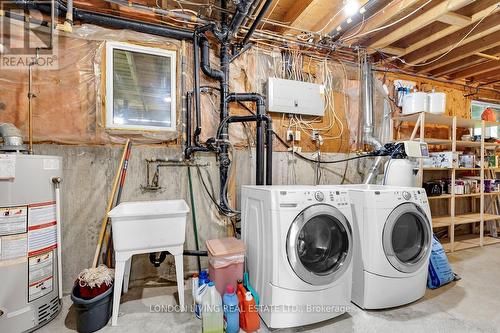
[299, 252]
[392, 238]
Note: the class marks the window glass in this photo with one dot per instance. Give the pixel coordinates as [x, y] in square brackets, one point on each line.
[477, 108]
[141, 91]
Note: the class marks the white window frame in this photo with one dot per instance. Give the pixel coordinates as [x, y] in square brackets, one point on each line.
[110, 46]
[490, 130]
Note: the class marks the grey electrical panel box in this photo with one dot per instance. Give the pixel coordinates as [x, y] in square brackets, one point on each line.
[297, 97]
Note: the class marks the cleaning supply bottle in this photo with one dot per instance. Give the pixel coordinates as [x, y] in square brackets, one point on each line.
[231, 309]
[240, 292]
[203, 278]
[212, 316]
[199, 297]
[252, 321]
[194, 287]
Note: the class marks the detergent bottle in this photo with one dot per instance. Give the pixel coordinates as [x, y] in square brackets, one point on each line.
[231, 310]
[199, 296]
[240, 292]
[252, 321]
[212, 315]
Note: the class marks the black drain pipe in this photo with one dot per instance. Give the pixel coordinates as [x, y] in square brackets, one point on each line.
[112, 21]
[259, 18]
[242, 9]
[261, 111]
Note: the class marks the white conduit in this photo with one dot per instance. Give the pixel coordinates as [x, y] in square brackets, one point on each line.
[57, 182]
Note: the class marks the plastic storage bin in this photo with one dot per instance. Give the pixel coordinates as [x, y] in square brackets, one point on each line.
[92, 314]
[226, 257]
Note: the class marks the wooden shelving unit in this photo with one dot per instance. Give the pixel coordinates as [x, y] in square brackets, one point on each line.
[453, 219]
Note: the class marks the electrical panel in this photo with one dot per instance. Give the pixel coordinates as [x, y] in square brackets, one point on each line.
[297, 97]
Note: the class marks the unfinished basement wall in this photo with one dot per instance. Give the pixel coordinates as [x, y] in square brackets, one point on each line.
[68, 122]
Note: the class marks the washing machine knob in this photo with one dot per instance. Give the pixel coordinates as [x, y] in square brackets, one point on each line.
[319, 196]
[406, 195]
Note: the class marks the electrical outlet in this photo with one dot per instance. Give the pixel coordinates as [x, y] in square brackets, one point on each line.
[290, 135]
[314, 135]
[297, 136]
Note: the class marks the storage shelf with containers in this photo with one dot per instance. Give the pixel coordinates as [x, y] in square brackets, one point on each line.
[460, 177]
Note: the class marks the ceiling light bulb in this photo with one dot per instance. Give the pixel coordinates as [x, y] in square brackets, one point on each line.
[349, 20]
[362, 10]
[339, 28]
[351, 7]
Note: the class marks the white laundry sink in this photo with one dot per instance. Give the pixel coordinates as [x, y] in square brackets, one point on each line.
[148, 224]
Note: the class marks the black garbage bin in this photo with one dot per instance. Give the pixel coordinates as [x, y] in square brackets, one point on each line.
[92, 314]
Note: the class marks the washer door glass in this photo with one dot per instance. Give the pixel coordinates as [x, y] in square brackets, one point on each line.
[319, 244]
[407, 238]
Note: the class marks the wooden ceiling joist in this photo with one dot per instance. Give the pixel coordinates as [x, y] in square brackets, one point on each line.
[486, 76]
[464, 51]
[380, 18]
[452, 18]
[448, 31]
[418, 23]
[431, 50]
[476, 70]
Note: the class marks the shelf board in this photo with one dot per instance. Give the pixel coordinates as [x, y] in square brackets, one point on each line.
[437, 119]
[446, 221]
[461, 169]
[470, 241]
[443, 142]
[460, 196]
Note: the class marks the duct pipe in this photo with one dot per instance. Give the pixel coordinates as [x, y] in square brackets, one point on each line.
[12, 137]
[368, 126]
[257, 20]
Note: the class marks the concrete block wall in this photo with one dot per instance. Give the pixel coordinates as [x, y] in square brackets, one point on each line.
[87, 180]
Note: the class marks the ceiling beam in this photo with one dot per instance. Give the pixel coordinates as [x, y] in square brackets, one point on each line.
[489, 26]
[327, 22]
[380, 18]
[449, 30]
[293, 13]
[464, 51]
[486, 75]
[418, 23]
[452, 18]
[476, 70]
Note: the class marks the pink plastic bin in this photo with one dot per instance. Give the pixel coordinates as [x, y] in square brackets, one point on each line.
[226, 257]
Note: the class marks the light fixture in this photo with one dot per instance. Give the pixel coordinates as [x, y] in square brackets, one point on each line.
[362, 10]
[349, 20]
[351, 7]
[339, 28]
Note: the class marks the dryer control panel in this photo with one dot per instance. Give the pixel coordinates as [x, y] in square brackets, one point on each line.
[334, 198]
[417, 195]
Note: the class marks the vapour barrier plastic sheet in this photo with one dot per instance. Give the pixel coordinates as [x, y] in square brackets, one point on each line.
[69, 106]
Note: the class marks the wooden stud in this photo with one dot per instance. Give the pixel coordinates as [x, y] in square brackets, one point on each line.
[487, 56]
[476, 70]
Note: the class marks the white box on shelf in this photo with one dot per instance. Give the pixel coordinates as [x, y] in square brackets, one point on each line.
[444, 159]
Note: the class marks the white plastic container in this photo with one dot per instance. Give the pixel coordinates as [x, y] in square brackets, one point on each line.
[437, 102]
[415, 102]
[148, 224]
[212, 314]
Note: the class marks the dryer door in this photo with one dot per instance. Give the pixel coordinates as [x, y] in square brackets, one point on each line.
[319, 244]
[407, 238]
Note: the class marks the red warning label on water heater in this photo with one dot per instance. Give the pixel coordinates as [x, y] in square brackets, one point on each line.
[42, 227]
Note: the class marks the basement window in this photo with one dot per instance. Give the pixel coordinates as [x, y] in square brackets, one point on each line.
[140, 88]
[477, 109]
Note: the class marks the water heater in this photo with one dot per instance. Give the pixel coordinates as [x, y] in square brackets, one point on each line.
[29, 290]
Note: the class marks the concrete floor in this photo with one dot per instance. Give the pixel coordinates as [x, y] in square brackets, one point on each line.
[469, 305]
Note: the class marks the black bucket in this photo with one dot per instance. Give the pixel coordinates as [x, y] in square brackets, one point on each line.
[92, 314]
